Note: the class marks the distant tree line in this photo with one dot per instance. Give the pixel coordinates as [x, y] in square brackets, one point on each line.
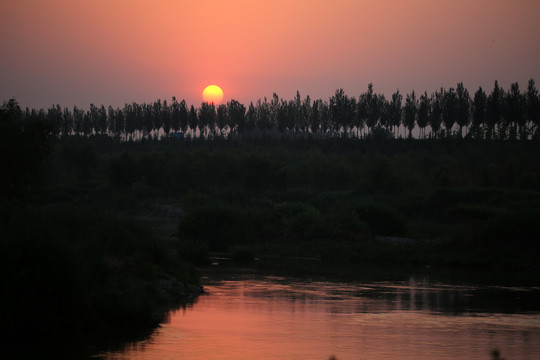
[499, 114]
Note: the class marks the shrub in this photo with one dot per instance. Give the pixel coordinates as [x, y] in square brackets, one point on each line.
[301, 221]
[514, 231]
[90, 271]
[381, 219]
[215, 225]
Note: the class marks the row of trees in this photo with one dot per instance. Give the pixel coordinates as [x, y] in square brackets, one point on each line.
[503, 114]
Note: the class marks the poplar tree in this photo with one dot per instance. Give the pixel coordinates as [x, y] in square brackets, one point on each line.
[479, 113]
[463, 107]
[410, 110]
[424, 109]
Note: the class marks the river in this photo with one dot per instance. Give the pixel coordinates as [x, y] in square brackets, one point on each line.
[246, 316]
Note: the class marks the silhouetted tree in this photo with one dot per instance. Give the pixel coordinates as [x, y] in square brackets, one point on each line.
[424, 110]
[315, 117]
[463, 107]
[361, 112]
[263, 115]
[395, 111]
[449, 108]
[67, 122]
[325, 117]
[342, 110]
[87, 124]
[384, 118]
[148, 116]
[54, 116]
[295, 113]
[207, 118]
[305, 114]
[120, 122]
[183, 116]
[25, 144]
[511, 113]
[131, 121]
[193, 120]
[494, 109]
[222, 118]
[515, 110]
[175, 115]
[274, 108]
[372, 103]
[479, 113]
[101, 120]
[533, 106]
[251, 118]
[92, 123]
[165, 117]
[111, 120]
[435, 118]
[237, 116]
[410, 110]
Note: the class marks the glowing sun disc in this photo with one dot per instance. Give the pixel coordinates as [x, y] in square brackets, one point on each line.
[212, 94]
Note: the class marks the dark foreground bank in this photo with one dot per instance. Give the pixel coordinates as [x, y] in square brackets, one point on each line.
[78, 280]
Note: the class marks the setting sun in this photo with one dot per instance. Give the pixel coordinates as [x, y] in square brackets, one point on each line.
[212, 94]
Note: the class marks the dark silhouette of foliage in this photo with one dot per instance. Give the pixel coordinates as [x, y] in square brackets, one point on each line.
[494, 110]
[237, 116]
[450, 111]
[25, 146]
[410, 110]
[533, 107]
[424, 111]
[502, 114]
[479, 113]
[463, 108]
[395, 110]
[515, 110]
[435, 119]
[193, 120]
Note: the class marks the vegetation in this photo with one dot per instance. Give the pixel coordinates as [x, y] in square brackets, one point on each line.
[330, 182]
[499, 114]
[74, 272]
[86, 273]
[452, 203]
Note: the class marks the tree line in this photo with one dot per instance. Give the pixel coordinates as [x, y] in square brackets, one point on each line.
[498, 114]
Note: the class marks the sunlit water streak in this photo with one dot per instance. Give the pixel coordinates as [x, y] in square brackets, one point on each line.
[280, 318]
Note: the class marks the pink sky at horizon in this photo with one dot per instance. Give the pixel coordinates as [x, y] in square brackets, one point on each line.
[114, 52]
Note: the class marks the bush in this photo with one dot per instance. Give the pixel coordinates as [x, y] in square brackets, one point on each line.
[215, 225]
[514, 231]
[301, 221]
[344, 224]
[91, 272]
[381, 219]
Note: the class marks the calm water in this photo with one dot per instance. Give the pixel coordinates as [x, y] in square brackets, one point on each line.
[258, 317]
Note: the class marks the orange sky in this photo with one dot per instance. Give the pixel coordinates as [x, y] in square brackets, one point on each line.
[111, 52]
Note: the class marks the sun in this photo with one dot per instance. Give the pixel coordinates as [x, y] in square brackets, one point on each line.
[212, 94]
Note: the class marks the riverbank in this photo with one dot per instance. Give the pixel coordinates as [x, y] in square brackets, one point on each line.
[391, 263]
[87, 276]
[254, 315]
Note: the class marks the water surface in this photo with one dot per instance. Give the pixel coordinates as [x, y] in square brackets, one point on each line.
[265, 317]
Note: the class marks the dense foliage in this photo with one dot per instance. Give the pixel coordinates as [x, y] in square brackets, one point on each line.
[501, 114]
[463, 202]
[319, 180]
[71, 273]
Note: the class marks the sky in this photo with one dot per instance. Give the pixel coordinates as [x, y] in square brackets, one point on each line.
[78, 52]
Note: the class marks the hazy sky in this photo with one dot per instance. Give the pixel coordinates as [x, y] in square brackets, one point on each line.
[77, 52]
